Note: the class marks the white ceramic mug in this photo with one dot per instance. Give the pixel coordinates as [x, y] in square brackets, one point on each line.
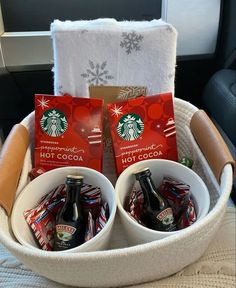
[43, 184]
[136, 233]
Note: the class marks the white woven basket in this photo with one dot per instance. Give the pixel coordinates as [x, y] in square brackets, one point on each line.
[123, 265]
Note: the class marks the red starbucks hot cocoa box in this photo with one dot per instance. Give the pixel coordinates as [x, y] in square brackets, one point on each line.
[142, 128]
[68, 132]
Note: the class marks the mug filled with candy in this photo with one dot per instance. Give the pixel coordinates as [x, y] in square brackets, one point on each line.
[160, 198]
[66, 209]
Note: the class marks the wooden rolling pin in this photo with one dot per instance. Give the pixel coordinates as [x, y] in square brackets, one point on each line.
[11, 163]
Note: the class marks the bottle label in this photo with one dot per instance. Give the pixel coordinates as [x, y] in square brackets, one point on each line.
[65, 232]
[166, 216]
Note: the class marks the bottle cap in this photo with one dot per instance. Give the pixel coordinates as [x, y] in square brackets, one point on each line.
[77, 177]
[142, 172]
[74, 179]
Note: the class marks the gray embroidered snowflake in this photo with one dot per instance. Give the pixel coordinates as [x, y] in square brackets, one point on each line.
[171, 75]
[169, 29]
[97, 74]
[60, 90]
[131, 41]
[84, 31]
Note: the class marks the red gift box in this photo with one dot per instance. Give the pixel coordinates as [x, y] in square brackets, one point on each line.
[142, 128]
[68, 132]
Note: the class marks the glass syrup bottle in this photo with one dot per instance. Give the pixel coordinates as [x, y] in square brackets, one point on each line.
[70, 226]
[158, 213]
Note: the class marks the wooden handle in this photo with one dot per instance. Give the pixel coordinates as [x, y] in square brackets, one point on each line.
[211, 143]
[11, 163]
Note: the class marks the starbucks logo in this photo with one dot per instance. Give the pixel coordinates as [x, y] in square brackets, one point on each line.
[53, 122]
[130, 127]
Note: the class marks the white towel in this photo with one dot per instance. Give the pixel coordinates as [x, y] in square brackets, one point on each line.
[108, 52]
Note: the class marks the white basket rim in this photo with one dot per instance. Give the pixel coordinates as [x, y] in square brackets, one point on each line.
[141, 248]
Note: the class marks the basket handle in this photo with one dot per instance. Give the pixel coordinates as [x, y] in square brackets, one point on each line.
[211, 143]
[11, 163]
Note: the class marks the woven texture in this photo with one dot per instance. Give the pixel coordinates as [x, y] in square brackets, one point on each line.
[216, 268]
[137, 264]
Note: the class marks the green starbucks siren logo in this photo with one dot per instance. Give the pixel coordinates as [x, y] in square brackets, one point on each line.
[130, 127]
[53, 122]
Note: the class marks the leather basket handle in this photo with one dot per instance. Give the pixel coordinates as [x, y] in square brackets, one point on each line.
[211, 143]
[11, 163]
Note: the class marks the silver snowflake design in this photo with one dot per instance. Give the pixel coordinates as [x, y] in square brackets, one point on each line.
[171, 75]
[131, 41]
[43, 103]
[97, 74]
[116, 111]
[84, 31]
[61, 90]
[169, 29]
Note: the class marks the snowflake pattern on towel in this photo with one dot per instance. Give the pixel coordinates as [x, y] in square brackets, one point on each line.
[170, 29]
[60, 90]
[131, 41]
[97, 74]
[84, 31]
